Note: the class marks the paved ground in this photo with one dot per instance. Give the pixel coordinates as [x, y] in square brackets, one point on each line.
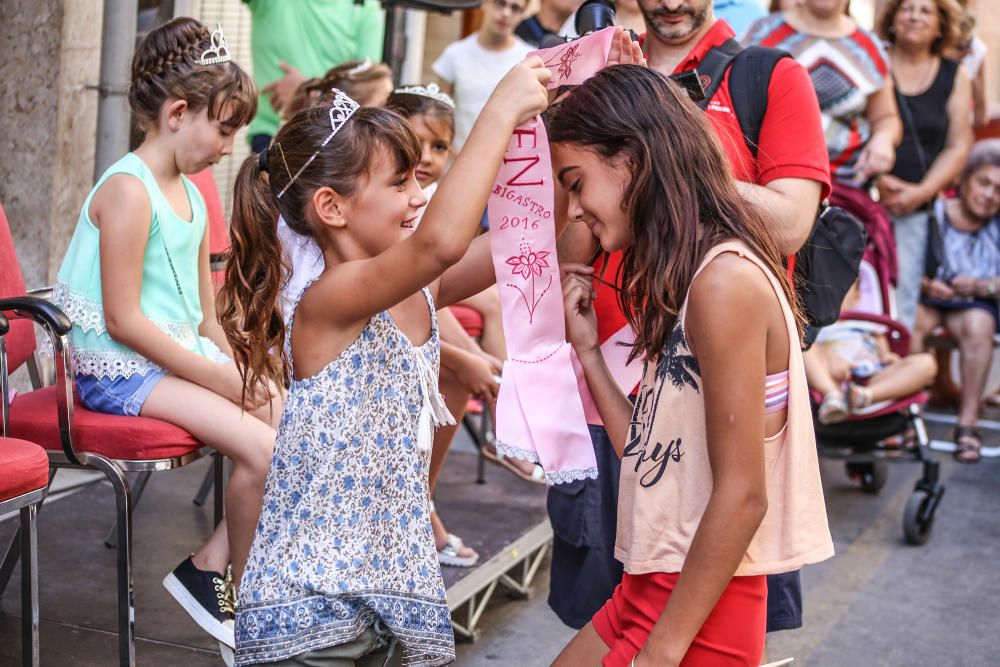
[879, 602]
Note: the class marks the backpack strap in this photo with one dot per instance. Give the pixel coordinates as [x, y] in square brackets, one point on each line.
[712, 68]
[748, 83]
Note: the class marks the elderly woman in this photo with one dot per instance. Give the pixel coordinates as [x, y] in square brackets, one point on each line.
[934, 95]
[962, 295]
[850, 71]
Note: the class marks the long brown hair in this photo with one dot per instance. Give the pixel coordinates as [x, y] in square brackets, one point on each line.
[681, 200]
[165, 66]
[248, 308]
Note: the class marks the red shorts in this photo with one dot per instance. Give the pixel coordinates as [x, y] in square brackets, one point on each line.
[733, 634]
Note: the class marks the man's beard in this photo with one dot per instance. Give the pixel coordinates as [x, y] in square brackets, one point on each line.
[674, 32]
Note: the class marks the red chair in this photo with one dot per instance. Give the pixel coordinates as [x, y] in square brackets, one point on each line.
[22, 487]
[218, 232]
[75, 437]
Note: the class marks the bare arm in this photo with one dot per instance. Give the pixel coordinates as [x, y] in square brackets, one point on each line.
[879, 154]
[475, 272]
[361, 288]
[981, 112]
[581, 330]
[210, 327]
[727, 327]
[789, 207]
[121, 210]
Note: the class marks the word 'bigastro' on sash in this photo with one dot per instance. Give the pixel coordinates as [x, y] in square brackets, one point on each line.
[540, 414]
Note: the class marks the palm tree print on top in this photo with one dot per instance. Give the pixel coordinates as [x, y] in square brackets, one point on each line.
[677, 364]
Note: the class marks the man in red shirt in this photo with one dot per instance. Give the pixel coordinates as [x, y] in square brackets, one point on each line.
[786, 181]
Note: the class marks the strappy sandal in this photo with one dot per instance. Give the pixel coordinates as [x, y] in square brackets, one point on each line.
[858, 398]
[537, 475]
[449, 554]
[833, 409]
[968, 442]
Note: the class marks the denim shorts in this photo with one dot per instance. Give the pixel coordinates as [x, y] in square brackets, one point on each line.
[784, 601]
[118, 396]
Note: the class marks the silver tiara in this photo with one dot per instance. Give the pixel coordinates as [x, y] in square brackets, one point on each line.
[361, 67]
[341, 110]
[431, 90]
[218, 52]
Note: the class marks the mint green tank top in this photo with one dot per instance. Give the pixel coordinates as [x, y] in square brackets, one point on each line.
[172, 304]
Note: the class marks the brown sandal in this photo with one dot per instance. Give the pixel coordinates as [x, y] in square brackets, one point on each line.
[968, 442]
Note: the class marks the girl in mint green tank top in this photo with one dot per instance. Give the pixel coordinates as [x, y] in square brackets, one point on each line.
[136, 284]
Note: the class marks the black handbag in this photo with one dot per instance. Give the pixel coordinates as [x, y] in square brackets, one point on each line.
[827, 266]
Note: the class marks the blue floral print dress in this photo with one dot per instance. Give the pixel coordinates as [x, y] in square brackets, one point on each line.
[344, 539]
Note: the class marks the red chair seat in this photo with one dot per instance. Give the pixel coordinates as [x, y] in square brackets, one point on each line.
[470, 319]
[25, 468]
[33, 417]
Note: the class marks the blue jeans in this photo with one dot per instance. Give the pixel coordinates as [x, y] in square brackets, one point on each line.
[911, 253]
[118, 396]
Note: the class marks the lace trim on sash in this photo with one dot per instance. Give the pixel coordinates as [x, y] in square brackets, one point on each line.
[517, 452]
[555, 477]
[564, 476]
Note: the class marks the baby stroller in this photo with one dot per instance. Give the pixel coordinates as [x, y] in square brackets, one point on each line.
[858, 440]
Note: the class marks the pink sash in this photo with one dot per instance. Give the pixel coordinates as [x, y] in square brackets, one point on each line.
[540, 413]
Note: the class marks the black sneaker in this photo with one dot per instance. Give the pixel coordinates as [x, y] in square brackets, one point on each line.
[207, 597]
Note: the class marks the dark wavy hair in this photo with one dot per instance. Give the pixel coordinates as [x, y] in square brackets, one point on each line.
[165, 66]
[681, 200]
[248, 308]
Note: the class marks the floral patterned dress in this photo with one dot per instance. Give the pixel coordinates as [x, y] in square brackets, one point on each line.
[344, 538]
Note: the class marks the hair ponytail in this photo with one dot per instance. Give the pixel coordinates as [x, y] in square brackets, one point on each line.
[248, 299]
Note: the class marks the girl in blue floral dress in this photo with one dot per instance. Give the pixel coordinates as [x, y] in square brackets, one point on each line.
[343, 569]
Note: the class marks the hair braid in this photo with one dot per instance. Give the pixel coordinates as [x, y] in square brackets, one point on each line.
[166, 66]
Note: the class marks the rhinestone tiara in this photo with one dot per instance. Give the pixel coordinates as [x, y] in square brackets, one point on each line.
[341, 110]
[218, 52]
[431, 90]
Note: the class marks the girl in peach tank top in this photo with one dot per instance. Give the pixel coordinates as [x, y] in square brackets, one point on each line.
[720, 480]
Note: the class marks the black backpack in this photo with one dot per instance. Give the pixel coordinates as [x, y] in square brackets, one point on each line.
[827, 265]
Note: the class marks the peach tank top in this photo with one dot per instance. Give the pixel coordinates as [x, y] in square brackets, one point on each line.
[666, 479]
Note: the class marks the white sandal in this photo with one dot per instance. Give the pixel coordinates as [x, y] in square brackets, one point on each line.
[448, 554]
[834, 408]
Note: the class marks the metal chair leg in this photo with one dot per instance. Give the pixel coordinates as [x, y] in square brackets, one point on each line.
[137, 490]
[13, 552]
[29, 586]
[219, 485]
[203, 490]
[126, 601]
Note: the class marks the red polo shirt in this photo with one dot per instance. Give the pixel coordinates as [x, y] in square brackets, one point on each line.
[791, 144]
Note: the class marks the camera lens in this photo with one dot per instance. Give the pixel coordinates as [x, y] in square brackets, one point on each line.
[595, 15]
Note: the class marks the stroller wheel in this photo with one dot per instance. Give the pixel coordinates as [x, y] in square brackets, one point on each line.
[872, 476]
[917, 520]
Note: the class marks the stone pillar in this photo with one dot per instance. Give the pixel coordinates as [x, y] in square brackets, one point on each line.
[48, 121]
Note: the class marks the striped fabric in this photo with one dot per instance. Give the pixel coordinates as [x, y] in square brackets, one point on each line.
[845, 72]
[775, 392]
